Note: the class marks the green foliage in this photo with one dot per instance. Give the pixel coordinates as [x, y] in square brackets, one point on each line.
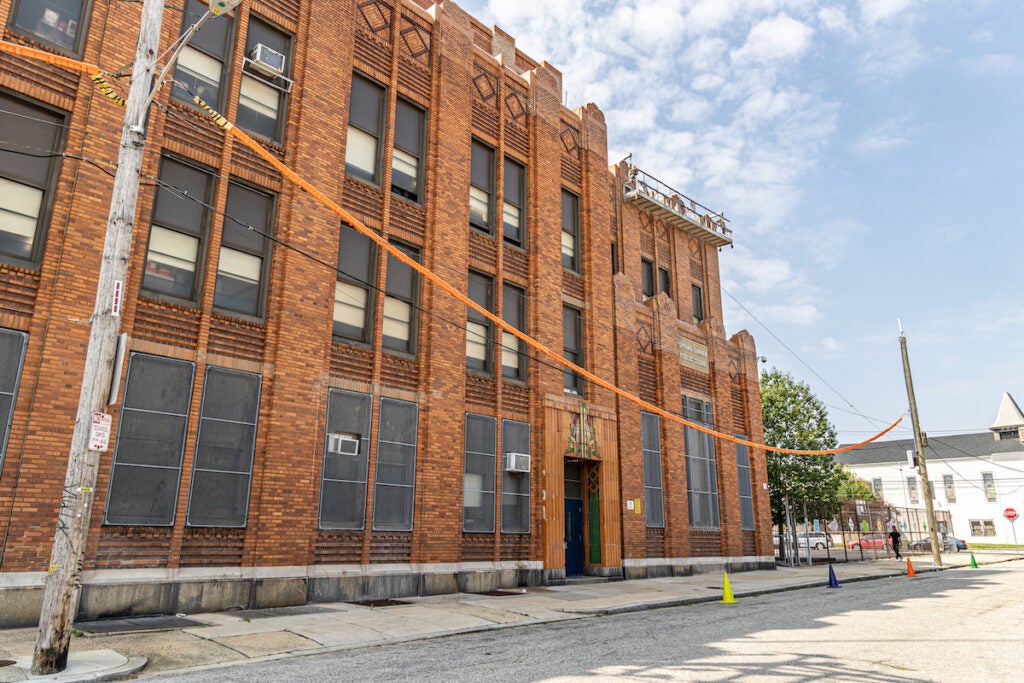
[852, 487]
[795, 418]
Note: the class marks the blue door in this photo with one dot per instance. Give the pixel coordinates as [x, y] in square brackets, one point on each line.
[574, 548]
[573, 537]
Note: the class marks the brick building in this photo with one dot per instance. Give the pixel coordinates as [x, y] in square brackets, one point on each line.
[305, 418]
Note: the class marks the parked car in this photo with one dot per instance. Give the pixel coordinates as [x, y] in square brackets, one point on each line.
[869, 542]
[817, 540]
[949, 544]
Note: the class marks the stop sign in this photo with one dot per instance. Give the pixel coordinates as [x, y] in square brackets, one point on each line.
[1010, 514]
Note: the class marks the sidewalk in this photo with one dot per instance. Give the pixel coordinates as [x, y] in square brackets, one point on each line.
[120, 648]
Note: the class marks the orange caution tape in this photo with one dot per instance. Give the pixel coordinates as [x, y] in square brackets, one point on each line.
[431, 275]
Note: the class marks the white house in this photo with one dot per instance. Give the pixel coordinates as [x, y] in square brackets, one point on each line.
[976, 477]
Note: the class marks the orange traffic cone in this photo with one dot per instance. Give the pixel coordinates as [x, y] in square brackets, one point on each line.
[910, 569]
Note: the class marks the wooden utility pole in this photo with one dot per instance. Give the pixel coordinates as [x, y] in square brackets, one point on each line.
[929, 509]
[63, 583]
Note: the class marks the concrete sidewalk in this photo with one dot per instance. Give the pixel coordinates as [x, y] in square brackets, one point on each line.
[162, 645]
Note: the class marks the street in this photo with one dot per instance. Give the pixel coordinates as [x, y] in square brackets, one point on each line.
[955, 625]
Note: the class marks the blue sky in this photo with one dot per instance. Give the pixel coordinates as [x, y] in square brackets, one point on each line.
[870, 155]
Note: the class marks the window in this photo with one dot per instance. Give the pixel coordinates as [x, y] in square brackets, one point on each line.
[407, 156]
[513, 311]
[219, 495]
[481, 186]
[572, 348]
[570, 231]
[12, 354]
[261, 100]
[746, 489]
[983, 527]
[615, 258]
[478, 474]
[647, 277]
[989, 484]
[514, 207]
[60, 23]
[947, 483]
[876, 486]
[664, 282]
[400, 299]
[698, 305]
[242, 266]
[201, 70]
[395, 480]
[515, 486]
[701, 470]
[912, 490]
[150, 442]
[346, 458]
[478, 328]
[357, 268]
[650, 444]
[27, 175]
[177, 230]
[365, 130]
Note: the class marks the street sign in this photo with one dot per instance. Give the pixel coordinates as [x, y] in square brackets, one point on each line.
[99, 433]
[1010, 514]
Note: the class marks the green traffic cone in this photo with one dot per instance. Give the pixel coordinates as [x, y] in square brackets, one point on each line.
[974, 564]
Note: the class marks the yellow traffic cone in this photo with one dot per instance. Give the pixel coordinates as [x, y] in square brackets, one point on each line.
[727, 598]
[910, 569]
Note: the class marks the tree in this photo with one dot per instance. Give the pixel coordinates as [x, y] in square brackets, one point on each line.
[795, 418]
[852, 487]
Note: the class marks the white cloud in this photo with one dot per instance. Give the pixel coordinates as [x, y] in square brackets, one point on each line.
[981, 35]
[778, 38]
[885, 137]
[875, 11]
[831, 344]
[835, 19]
[795, 313]
[991, 64]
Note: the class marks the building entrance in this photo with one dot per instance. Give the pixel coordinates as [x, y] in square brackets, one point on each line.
[574, 522]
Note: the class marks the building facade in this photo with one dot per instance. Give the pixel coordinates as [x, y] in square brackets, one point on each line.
[302, 417]
[973, 478]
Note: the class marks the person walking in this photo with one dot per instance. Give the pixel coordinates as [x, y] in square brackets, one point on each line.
[894, 541]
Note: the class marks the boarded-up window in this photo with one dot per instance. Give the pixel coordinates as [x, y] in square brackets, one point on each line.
[394, 483]
[150, 441]
[478, 474]
[219, 495]
[346, 457]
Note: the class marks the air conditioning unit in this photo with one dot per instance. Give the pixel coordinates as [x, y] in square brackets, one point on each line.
[517, 462]
[266, 61]
[343, 444]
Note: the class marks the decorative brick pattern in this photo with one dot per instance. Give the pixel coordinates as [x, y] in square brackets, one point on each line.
[166, 323]
[236, 338]
[212, 547]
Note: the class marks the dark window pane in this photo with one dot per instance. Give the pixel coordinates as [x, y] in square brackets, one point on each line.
[357, 256]
[481, 172]
[341, 504]
[181, 196]
[514, 177]
[57, 22]
[402, 279]
[366, 106]
[142, 496]
[647, 277]
[408, 127]
[219, 499]
[150, 438]
[664, 281]
[12, 348]
[246, 207]
[515, 487]
[392, 508]
[343, 486]
[159, 384]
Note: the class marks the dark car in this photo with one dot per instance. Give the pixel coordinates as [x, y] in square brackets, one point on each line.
[949, 544]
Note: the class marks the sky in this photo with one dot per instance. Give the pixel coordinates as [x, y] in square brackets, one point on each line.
[870, 157]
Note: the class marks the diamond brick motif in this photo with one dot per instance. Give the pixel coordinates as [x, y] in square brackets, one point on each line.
[376, 14]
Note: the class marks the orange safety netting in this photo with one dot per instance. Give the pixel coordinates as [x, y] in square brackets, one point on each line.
[429, 274]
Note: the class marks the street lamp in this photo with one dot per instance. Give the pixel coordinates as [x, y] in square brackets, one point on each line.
[63, 583]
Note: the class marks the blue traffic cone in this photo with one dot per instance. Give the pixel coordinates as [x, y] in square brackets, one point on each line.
[832, 582]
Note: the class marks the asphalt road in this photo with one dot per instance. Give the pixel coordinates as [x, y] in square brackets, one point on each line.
[959, 625]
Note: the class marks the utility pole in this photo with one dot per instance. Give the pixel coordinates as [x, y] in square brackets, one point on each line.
[929, 509]
[64, 582]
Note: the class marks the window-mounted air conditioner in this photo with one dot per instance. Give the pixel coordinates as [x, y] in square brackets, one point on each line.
[266, 61]
[343, 444]
[517, 462]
